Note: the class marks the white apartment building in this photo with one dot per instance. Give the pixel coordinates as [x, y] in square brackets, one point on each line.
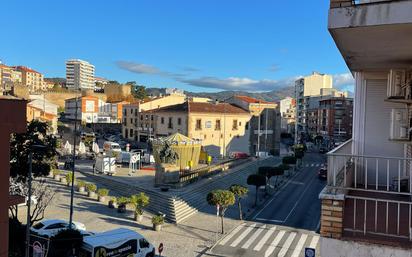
[287, 112]
[367, 203]
[79, 74]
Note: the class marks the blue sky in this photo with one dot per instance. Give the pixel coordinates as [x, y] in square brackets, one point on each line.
[195, 45]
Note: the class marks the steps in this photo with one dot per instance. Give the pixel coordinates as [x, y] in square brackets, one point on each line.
[185, 203]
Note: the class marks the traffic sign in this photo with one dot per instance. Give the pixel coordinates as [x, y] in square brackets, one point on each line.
[310, 252]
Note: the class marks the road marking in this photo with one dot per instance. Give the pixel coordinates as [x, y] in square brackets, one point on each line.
[312, 165]
[317, 164]
[243, 235]
[253, 237]
[275, 243]
[307, 165]
[299, 246]
[314, 242]
[286, 245]
[297, 183]
[264, 239]
[231, 234]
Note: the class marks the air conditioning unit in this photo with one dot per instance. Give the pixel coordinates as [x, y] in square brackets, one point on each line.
[399, 124]
[396, 84]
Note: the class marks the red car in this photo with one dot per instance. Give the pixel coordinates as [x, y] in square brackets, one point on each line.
[239, 155]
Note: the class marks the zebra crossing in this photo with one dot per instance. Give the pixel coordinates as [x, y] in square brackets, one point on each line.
[313, 165]
[256, 239]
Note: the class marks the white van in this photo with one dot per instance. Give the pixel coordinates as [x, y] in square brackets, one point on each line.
[111, 147]
[121, 242]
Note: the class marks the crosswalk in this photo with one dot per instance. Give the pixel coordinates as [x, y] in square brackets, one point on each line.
[313, 165]
[255, 239]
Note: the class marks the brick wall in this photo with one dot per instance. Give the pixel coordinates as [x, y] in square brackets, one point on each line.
[332, 218]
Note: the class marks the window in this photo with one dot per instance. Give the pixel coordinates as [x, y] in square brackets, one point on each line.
[131, 132]
[217, 125]
[147, 117]
[143, 243]
[56, 226]
[131, 121]
[247, 126]
[141, 117]
[170, 124]
[198, 124]
[234, 126]
[179, 121]
[151, 117]
[131, 111]
[135, 112]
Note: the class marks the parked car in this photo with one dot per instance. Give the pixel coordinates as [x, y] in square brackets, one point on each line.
[50, 228]
[323, 172]
[239, 155]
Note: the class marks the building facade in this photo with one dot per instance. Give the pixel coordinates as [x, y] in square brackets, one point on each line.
[32, 79]
[43, 110]
[79, 75]
[366, 205]
[288, 114]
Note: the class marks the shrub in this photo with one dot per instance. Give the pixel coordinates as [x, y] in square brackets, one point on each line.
[122, 200]
[69, 178]
[81, 183]
[91, 187]
[158, 220]
[139, 201]
[102, 192]
[56, 172]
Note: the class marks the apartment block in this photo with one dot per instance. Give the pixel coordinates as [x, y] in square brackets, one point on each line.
[34, 80]
[366, 205]
[43, 110]
[9, 77]
[288, 114]
[79, 75]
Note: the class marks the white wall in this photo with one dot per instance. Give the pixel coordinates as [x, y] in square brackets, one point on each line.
[339, 248]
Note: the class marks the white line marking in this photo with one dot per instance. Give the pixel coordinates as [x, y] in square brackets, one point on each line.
[314, 242]
[253, 237]
[286, 245]
[260, 219]
[317, 165]
[299, 246]
[228, 237]
[312, 165]
[264, 239]
[243, 235]
[275, 243]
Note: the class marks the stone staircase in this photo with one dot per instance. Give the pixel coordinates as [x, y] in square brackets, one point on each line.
[181, 204]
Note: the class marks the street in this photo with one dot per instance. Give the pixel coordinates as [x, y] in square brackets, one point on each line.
[287, 223]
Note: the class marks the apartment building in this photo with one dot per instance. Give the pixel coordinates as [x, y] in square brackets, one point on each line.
[305, 88]
[79, 75]
[221, 127]
[32, 79]
[366, 205]
[335, 116]
[13, 120]
[91, 109]
[288, 114]
[9, 77]
[264, 124]
[43, 110]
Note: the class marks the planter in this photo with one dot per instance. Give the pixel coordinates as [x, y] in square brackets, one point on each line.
[157, 227]
[91, 194]
[63, 180]
[57, 177]
[121, 208]
[112, 204]
[81, 189]
[102, 199]
[138, 217]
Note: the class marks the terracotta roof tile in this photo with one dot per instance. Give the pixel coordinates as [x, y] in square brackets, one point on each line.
[204, 108]
[252, 100]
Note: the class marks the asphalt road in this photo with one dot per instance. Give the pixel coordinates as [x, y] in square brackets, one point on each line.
[297, 205]
[287, 224]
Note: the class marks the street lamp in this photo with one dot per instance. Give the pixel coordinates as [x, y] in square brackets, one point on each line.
[32, 148]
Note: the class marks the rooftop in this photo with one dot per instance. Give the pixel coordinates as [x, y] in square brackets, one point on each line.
[252, 100]
[26, 69]
[196, 107]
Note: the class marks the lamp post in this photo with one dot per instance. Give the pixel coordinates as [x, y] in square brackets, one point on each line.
[73, 167]
[32, 148]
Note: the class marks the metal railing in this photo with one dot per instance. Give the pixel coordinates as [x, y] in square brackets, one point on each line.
[369, 173]
[378, 217]
[346, 3]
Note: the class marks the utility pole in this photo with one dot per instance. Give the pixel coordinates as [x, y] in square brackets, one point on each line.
[73, 165]
[258, 139]
[27, 253]
[266, 129]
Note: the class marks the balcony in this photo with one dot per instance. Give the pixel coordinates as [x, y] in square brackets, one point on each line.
[376, 192]
[372, 34]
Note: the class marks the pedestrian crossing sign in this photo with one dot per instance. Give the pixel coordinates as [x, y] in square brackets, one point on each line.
[309, 252]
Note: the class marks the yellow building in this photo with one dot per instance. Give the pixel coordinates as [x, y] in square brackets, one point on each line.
[39, 109]
[32, 79]
[222, 128]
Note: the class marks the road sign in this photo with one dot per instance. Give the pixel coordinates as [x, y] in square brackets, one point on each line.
[160, 249]
[310, 252]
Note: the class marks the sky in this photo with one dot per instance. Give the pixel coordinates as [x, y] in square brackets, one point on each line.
[200, 46]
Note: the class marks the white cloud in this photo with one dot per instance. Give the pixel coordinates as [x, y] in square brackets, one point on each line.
[344, 81]
[140, 68]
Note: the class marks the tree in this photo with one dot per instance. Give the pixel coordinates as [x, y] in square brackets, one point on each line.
[239, 192]
[42, 193]
[265, 171]
[44, 159]
[139, 201]
[222, 199]
[138, 91]
[257, 181]
[276, 172]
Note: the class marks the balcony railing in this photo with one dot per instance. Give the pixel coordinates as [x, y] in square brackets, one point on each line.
[346, 3]
[377, 193]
